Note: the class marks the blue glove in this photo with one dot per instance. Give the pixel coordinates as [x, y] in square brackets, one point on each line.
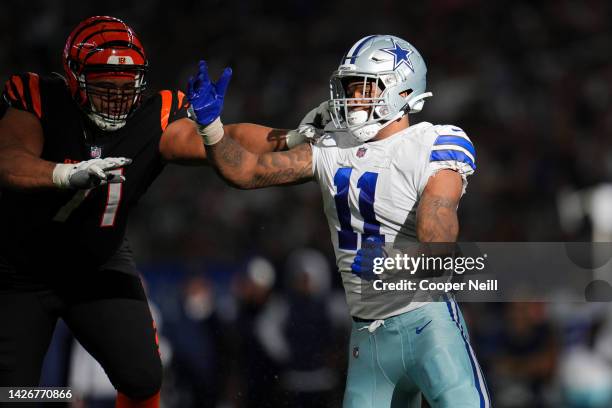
[363, 264]
[206, 97]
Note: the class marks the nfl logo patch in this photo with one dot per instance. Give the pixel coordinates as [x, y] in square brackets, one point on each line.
[95, 152]
[356, 352]
[361, 151]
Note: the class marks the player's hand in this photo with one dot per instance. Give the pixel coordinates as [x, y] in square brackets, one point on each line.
[304, 133]
[363, 264]
[319, 117]
[206, 97]
[90, 173]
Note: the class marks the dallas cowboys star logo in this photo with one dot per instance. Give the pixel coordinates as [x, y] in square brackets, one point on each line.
[400, 55]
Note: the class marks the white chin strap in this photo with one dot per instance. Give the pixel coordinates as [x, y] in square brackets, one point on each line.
[367, 132]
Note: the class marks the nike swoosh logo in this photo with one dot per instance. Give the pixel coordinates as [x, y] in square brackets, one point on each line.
[420, 329]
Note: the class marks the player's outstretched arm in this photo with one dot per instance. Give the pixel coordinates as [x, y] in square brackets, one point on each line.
[247, 170]
[237, 165]
[263, 139]
[437, 211]
[181, 144]
[21, 167]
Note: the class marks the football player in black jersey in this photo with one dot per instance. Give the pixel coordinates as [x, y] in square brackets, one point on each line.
[76, 154]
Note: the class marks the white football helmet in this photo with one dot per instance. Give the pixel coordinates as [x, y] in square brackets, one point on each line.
[387, 66]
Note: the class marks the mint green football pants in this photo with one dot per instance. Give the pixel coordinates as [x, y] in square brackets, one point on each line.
[426, 351]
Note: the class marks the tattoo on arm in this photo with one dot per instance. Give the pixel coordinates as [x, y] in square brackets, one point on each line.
[437, 219]
[227, 152]
[249, 170]
[288, 167]
[279, 138]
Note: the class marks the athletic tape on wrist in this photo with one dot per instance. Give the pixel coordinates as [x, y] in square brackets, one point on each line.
[212, 133]
[60, 175]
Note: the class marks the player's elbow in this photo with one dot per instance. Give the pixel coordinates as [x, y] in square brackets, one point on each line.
[437, 232]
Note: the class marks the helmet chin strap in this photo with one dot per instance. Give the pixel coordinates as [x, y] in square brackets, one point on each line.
[367, 132]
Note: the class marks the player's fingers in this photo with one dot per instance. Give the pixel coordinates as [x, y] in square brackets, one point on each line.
[111, 163]
[96, 172]
[190, 87]
[365, 257]
[114, 178]
[370, 245]
[224, 81]
[203, 74]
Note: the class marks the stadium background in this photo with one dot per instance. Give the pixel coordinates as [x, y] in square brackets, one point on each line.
[243, 283]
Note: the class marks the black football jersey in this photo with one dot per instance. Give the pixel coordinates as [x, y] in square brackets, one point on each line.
[69, 229]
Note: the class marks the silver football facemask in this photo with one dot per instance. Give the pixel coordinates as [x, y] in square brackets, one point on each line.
[385, 66]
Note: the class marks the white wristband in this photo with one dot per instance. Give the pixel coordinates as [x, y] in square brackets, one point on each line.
[294, 138]
[60, 175]
[212, 133]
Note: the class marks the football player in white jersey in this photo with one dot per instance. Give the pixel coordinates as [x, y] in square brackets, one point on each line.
[383, 179]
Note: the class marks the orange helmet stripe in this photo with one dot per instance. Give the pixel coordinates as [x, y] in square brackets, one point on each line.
[181, 95]
[35, 93]
[9, 90]
[19, 85]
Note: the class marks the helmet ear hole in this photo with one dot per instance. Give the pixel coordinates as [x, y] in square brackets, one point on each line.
[407, 93]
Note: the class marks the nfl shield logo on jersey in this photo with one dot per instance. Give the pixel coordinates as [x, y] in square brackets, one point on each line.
[356, 352]
[361, 151]
[95, 152]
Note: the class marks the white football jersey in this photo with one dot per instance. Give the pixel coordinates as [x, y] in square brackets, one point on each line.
[374, 189]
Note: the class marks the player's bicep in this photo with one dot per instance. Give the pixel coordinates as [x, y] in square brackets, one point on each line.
[437, 211]
[291, 167]
[180, 143]
[21, 130]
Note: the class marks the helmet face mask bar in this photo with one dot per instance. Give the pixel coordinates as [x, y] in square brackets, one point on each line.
[358, 114]
[392, 75]
[112, 96]
[105, 68]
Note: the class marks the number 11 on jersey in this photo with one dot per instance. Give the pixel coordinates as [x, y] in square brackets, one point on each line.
[347, 237]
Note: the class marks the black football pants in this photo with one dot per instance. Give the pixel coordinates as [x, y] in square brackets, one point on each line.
[108, 314]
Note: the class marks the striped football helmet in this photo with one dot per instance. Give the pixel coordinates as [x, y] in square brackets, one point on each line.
[100, 53]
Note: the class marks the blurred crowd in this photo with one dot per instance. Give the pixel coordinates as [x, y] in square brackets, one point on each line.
[244, 317]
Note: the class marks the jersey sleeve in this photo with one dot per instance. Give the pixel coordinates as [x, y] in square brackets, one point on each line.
[173, 107]
[324, 153]
[452, 149]
[22, 92]
[316, 157]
